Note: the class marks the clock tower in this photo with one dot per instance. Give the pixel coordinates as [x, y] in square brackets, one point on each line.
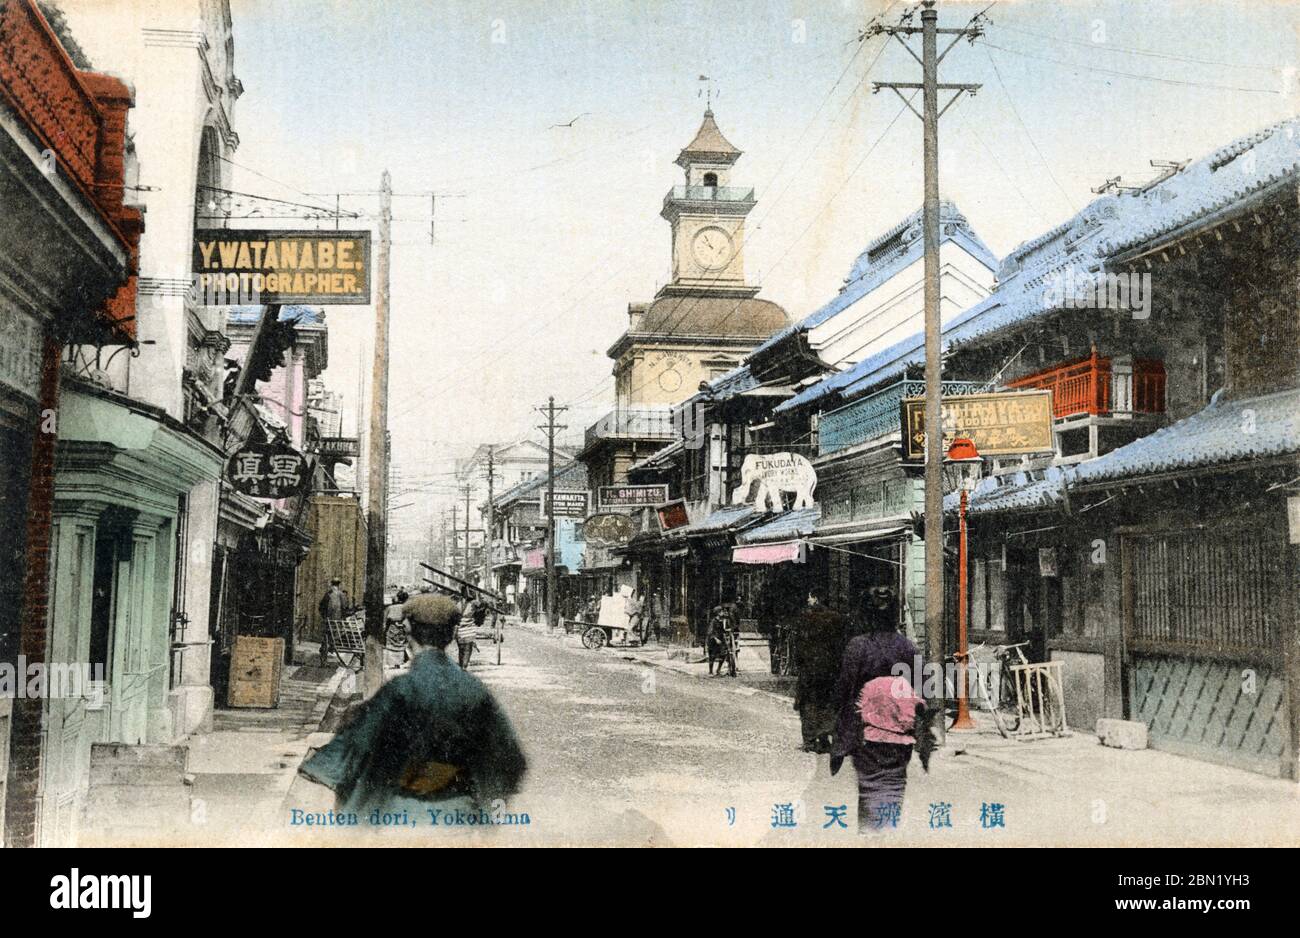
[707, 215]
[702, 323]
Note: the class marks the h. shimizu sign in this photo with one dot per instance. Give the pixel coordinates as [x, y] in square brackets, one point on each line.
[1007, 424]
[257, 267]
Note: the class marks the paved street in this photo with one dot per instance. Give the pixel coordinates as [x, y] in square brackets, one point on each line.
[622, 752]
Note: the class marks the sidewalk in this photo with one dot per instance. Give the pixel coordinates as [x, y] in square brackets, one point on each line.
[243, 770]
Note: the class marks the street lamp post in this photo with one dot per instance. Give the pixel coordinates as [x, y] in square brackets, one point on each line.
[965, 462]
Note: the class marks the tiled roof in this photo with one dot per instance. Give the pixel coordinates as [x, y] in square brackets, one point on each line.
[723, 519]
[783, 527]
[571, 477]
[1226, 177]
[1017, 492]
[1224, 432]
[1104, 228]
[732, 383]
[885, 257]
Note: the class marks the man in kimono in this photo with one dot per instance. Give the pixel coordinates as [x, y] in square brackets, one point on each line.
[818, 641]
[432, 737]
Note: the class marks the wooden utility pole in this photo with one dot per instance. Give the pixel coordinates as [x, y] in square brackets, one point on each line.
[468, 491]
[489, 527]
[548, 509]
[450, 558]
[930, 88]
[377, 531]
[489, 522]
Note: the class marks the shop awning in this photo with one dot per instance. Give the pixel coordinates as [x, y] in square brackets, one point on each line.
[856, 534]
[780, 552]
[786, 526]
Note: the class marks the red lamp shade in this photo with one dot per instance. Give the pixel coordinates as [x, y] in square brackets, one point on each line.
[962, 448]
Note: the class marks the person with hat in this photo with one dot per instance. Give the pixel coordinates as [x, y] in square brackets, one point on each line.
[432, 738]
[335, 604]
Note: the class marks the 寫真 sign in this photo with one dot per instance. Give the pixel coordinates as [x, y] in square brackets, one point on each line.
[1006, 424]
[268, 266]
[632, 496]
[268, 470]
[568, 504]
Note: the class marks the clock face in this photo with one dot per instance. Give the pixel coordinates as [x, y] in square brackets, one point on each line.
[670, 380]
[711, 248]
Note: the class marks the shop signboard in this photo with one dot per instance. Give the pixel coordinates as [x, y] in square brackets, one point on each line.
[1009, 423]
[268, 470]
[610, 529]
[244, 266]
[568, 504]
[673, 515]
[632, 496]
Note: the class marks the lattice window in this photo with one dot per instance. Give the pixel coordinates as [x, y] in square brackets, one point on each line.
[1212, 590]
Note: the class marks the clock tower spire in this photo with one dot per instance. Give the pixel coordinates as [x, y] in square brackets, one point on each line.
[707, 215]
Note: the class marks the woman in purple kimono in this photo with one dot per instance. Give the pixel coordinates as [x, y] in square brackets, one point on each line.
[875, 722]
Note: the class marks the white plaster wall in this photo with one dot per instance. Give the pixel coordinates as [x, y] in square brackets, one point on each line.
[896, 309]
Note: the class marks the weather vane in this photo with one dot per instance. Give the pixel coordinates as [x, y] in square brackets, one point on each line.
[708, 91]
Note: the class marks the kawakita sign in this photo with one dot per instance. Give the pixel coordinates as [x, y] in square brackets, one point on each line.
[568, 504]
[1009, 423]
[268, 470]
[264, 267]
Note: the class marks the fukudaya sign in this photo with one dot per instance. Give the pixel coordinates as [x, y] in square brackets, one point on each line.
[770, 475]
[251, 267]
[632, 496]
[1007, 424]
[268, 470]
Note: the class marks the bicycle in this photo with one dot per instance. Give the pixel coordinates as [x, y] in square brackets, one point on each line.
[1002, 700]
[783, 650]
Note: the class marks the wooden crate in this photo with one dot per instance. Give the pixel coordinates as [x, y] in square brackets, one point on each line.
[256, 665]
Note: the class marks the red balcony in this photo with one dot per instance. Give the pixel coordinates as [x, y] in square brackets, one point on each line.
[1092, 386]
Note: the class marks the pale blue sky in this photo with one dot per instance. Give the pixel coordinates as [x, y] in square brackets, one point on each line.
[545, 235]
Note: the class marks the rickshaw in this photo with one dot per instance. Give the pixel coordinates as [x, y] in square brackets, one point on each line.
[599, 634]
[347, 638]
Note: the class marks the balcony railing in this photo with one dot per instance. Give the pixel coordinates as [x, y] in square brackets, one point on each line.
[634, 423]
[710, 194]
[876, 415]
[1096, 386]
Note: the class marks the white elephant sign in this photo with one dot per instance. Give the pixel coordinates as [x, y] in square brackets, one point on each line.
[775, 473]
